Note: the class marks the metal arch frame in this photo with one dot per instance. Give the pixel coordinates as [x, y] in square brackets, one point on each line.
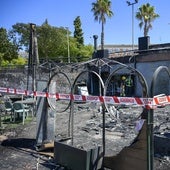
[150, 145]
[155, 75]
[60, 72]
[141, 78]
[72, 107]
[143, 83]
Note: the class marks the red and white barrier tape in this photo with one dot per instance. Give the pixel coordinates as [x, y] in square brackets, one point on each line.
[161, 100]
[147, 102]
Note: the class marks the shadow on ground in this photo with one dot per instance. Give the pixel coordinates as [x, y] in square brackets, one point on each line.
[20, 143]
[25, 149]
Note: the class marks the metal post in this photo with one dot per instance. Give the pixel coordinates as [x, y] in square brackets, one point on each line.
[150, 147]
[33, 60]
[68, 45]
[95, 37]
[29, 71]
[133, 26]
[0, 120]
[132, 4]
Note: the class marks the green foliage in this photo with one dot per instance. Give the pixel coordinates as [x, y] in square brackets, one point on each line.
[78, 33]
[1, 58]
[8, 125]
[13, 62]
[5, 63]
[85, 53]
[21, 33]
[52, 41]
[101, 9]
[8, 50]
[19, 61]
[146, 15]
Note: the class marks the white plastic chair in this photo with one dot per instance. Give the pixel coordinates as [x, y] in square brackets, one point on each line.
[18, 109]
[8, 108]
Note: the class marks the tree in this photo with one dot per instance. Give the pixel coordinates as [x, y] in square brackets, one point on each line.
[8, 50]
[52, 41]
[146, 15]
[101, 9]
[86, 52]
[21, 33]
[78, 33]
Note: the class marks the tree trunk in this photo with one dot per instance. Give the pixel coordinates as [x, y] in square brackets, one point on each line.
[102, 37]
[145, 30]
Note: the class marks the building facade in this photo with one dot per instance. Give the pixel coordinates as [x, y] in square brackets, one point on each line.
[125, 82]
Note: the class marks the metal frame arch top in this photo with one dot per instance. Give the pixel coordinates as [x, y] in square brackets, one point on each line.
[155, 76]
[142, 80]
[52, 88]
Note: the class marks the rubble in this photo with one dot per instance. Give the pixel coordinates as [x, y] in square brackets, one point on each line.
[18, 151]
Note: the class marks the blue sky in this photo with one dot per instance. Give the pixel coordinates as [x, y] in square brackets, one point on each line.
[118, 29]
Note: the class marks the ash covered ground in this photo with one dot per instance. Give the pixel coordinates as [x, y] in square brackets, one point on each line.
[18, 145]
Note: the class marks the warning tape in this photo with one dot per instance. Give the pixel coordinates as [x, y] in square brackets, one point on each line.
[151, 103]
[161, 100]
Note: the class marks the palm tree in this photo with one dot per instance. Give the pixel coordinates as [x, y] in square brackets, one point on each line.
[101, 9]
[146, 15]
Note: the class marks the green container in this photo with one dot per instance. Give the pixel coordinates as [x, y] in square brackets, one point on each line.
[77, 159]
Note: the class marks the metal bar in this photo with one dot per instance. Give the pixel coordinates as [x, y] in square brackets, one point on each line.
[150, 136]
